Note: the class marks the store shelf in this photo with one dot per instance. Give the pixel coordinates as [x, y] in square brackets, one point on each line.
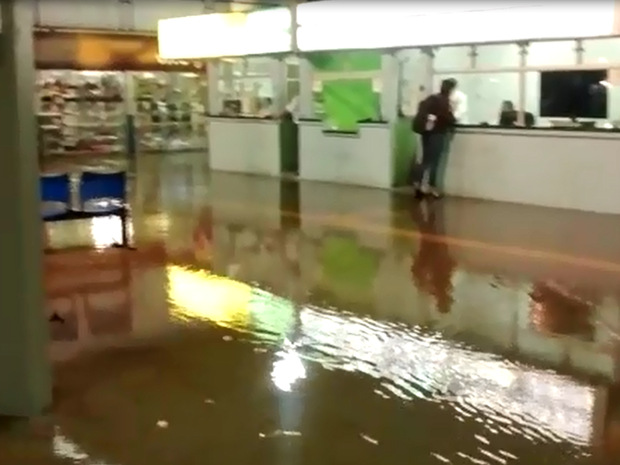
[170, 111]
[81, 112]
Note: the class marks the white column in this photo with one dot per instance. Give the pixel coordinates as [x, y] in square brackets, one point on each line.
[306, 105]
[389, 86]
[522, 103]
[294, 26]
[25, 377]
[277, 73]
[214, 99]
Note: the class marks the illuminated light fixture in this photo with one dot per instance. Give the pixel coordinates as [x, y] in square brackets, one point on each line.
[225, 35]
[333, 26]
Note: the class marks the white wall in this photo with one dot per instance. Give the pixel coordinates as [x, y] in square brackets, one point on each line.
[139, 15]
[487, 90]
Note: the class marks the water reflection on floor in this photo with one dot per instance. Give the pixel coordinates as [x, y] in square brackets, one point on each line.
[269, 323]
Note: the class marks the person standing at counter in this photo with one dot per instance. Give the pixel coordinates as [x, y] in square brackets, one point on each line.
[434, 122]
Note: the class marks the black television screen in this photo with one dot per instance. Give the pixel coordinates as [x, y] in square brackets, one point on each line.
[573, 94]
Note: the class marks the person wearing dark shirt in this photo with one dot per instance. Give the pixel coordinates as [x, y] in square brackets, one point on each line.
[508, 116]
[433, 121]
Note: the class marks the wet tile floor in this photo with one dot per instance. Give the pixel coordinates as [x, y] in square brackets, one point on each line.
[279, 323]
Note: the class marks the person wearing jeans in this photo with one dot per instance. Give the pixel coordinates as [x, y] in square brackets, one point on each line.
[434, 122]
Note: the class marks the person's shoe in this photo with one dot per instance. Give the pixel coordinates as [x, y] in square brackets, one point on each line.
[434, 193]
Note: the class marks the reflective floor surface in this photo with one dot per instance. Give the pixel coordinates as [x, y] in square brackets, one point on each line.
[267, 322]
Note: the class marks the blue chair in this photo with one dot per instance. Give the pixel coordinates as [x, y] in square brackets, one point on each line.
[55, 196]
[105, 194]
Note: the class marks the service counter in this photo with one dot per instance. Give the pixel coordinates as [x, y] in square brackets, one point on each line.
[574, 169]
[252, 145]
[376, 155]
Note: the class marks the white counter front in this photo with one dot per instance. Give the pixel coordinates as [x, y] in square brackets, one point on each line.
[363, 158]
[245, 145]
[562, 169]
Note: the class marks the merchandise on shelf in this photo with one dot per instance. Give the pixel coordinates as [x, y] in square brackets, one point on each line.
[170, 111]
[80, 112]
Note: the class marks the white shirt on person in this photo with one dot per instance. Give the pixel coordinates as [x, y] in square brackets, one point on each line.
[458, 100]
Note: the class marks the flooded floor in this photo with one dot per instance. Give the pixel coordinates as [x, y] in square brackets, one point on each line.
[267, 322]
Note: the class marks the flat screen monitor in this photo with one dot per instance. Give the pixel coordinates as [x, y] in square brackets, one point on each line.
[573, 94]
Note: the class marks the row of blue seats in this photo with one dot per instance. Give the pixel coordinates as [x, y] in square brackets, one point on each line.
[99, 194]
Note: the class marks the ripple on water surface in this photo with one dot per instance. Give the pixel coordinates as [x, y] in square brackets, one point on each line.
[405, 391]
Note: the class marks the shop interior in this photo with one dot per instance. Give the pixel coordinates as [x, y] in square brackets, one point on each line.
[83, 112]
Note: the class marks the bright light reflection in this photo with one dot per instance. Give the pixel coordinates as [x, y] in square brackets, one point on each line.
[287, 370]
[106, 231]
[416, 364]
[202, 295]
[65, 448]
[413, 363]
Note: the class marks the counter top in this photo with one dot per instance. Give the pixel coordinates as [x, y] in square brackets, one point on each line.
[343, 132]
[244, 119]
[542, 133]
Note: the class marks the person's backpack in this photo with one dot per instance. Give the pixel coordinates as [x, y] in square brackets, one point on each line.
[418, 124]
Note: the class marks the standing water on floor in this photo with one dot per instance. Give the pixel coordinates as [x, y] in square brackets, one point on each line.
[339, 387]
[266, 343]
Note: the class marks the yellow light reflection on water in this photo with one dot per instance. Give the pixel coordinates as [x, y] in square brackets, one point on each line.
[201, 295]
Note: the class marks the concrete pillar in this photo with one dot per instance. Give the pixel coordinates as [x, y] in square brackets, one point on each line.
[390, 77]
[306, 85]
[277, 75]
[25, 377]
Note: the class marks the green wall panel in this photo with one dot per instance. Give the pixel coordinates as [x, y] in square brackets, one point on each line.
[404, 151]
[347, 101]
[346, 61]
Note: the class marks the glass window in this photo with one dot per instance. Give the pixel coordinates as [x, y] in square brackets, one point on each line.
[413, 80]
[560, 52]
[292, 89]
[452, 58]
[246, 87]
[486, 93]
[292, 70]
[258, 66]
[561, 97]
[601, 50]
[497, 56]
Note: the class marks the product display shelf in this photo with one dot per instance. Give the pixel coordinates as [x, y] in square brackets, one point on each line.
[80, 112]
[170, 111]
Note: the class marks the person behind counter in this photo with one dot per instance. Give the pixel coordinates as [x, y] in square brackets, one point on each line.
[508, 116]
[434, 121]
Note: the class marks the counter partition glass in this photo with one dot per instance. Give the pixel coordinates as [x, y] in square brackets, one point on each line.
[540, 121]
[560, 84]
[250, 128]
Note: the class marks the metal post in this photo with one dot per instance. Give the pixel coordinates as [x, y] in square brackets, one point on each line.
[294, 26]
[523, 53]
[130, 126]
[579, 52]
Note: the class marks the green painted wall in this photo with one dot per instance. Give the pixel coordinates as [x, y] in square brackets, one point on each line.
[345, 102]
[404, 152]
